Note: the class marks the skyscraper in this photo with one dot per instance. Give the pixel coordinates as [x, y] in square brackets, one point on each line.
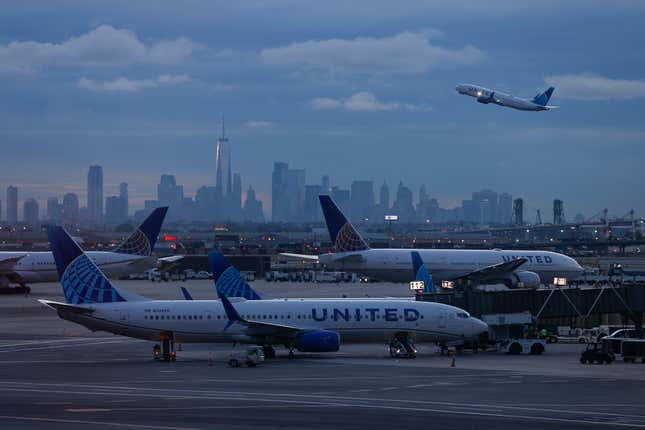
[30, 212]
[325, 184]
[362, 199]
[70, 209]
[95, 194]
[384, 198]
[12, 205]
[312, 203]
[505, 209]
[114, 210]
[223, 175]
[485, 202]
[123, 195]
[296, 194]
[279, 197]
[54, 210]
[253, 207]
[403, 205]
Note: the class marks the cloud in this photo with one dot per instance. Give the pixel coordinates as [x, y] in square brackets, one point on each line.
[131, 85]
[258, 124]
[359, 102]
[100, 47]
[587, 86]
[406, 53]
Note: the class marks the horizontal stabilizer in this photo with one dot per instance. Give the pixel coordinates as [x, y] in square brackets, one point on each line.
[300, 256]
[66, 307]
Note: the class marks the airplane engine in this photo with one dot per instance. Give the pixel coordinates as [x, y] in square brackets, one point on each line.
[318, 341]
[484, 100]
[527, 278]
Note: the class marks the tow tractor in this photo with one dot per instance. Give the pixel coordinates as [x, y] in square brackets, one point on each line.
[597, 352]
[512, 334]
[250, 356]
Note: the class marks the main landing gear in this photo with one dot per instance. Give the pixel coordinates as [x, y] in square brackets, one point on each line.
[402, 346]
[269, 351]
[165, 352]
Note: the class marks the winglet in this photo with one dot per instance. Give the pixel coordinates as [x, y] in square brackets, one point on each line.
[421, 273]
[142, 240]
[231, 313]
[228, 281]
[341, 231]
[186, 294]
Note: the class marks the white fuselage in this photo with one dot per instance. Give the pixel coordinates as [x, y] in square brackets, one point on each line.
[499, 98]
[40, 266]
[447, 264]
[356, 320]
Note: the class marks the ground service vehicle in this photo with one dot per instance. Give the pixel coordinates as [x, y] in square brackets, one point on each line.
[597, 353]
[250, 357]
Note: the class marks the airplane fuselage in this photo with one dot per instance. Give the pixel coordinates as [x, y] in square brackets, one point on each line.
[40, 266]
[486, 96]
[395, 265]
[356, 320]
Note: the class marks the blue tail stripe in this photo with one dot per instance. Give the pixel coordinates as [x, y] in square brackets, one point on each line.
[143, 240]
[543, 98]
[228, 281]
[421, 272]
[341, 231]
[81, 280]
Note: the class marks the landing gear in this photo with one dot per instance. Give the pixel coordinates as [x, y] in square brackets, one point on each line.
[165, 352]
[402, 347]
[269, 351]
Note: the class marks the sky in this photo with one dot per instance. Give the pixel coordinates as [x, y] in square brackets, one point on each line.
[356, 90]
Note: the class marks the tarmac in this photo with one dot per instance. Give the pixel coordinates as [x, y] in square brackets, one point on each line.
[54, 373]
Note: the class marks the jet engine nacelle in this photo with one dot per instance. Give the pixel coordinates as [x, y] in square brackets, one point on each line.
[527, 278]
[484, 100]
[318, 341]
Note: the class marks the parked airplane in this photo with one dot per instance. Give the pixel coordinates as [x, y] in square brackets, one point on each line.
[510, 267]
[308, 325]
[131, 256]
[486, 96]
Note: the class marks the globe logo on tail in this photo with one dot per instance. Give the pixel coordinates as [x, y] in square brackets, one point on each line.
[83, 282]
[348, 239]
[137, 244]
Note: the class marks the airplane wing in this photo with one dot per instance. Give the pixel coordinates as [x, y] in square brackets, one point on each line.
[8, 264]
[300, 256]
[495, 271]
[67, 307]
[170, 259]
[257, 328]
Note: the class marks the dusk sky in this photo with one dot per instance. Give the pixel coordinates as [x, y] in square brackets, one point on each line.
[356, 90]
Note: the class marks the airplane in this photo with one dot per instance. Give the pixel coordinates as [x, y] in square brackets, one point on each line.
[132, 256]
[486, 96]
[308, 325]
[512, 268]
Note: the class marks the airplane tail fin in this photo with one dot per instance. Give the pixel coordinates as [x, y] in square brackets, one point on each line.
[142, 240]
[421, 273]
[228, 281]
[341, 231]
[543, 98]
[82, 281]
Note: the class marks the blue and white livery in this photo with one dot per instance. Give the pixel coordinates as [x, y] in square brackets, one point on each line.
[307, 325]
[134, 255]
[487, 96]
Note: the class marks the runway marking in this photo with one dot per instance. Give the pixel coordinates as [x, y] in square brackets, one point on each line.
[389, 388]
[89, 410]
[506, 382]
[554, 381]
[39, 348]
[510, 412]
[93, 423]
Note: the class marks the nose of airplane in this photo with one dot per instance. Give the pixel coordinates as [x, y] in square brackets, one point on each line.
[479, 326]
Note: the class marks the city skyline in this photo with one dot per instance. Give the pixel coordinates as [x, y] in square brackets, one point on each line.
[141, 94]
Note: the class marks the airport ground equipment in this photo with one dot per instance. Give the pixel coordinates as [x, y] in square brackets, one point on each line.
[598, 352]
[632, 350]
[250, 357]
[512, 333]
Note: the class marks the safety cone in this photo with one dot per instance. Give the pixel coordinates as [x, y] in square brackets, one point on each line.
[210, 358]
[454, 359]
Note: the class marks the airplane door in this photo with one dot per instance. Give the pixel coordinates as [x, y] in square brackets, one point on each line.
[123, 316]
[443, 316]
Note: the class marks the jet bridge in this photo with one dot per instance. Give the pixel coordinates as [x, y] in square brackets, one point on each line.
[556, 302]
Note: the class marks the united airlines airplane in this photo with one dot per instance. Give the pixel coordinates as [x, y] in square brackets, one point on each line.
[132, 256]
[308, 325]
[510, 267]
[486, 96]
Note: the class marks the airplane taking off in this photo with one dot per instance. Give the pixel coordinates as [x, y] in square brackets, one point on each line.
[510, 267]
[131, 256]
[308, 325]
[486, 96]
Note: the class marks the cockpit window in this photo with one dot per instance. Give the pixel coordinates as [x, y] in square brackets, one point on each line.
[462, 315]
